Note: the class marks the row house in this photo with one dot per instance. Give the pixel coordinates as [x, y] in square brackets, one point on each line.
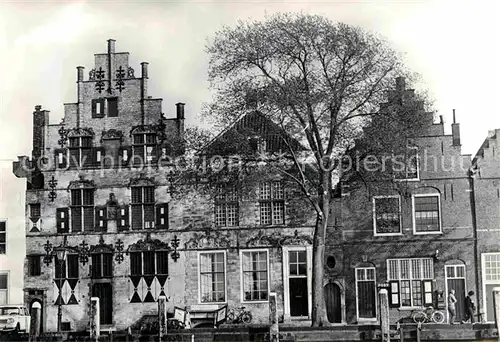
[485, 177]
[107, 216]
[410, 231]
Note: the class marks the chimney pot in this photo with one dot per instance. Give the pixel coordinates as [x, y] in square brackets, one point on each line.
[111, 46]
[454, 116]
[441, 119]
[180, 110]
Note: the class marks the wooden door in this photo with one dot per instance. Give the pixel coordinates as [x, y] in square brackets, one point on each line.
[333, 303]
[298, 297]
[104, 292]
[459, 286]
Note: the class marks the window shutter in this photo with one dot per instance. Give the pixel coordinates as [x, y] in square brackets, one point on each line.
[123, 218]
[101, 219]
[98, 108]
[113, 107]
[394, 301]
[427, 292]
[125, 155]
[162, 216]
[60, 158]
[62, 220]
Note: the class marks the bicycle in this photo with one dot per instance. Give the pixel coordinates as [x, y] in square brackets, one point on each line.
[427, 315]
[239, 315]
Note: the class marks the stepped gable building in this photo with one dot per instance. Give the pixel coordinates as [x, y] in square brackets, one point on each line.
[106, 218]
[410, 231]
[486, 200]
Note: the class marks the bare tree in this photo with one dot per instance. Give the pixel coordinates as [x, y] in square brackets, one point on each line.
[323, 82]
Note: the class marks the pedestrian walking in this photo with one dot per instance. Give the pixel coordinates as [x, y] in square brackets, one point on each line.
[452, 311]
[470, 307]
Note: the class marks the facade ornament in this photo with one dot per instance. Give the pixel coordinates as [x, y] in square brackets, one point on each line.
[142, 180]
[148, 244]
[83, 254]
[81, 132]
[130, 72]
[208, 239]
[99, 76]
[263, 239]
[297, 239]
[119, 251]
[120, 75]
[112, 134]
[101, 247]
[63, 134]
[92, 75]
[81, 184]
[52, 185]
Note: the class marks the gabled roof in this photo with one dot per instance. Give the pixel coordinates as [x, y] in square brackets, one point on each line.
[235, 138]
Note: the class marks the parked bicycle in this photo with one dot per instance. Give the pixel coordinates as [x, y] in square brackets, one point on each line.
[427, 315]
[239, 315]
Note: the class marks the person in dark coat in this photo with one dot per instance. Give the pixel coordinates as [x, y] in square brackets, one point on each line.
[470, 307]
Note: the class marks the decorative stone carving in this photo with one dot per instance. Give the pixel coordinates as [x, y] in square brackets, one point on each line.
[130, 72]
[142, 180]
[81, 132]
[111, 134]
[263, 239]
[148, 244]
[92, 75]
[81, 184]
[120, 75]
[209, 239]
[297, 239]
[101, 247]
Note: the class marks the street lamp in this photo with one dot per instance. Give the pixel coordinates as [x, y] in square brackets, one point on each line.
[60, 253]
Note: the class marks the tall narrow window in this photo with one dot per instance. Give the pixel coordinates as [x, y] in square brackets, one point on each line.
[426, 211]
[272, 203]
[102, 264]
[144, 148]
[212, 277]
[254, 269]
[34, 265]
[226, 206]
[3, 237]
[82, 210]
[143, 207]
[80, 151]
[69, 268]
[366, 292]
[386, 215]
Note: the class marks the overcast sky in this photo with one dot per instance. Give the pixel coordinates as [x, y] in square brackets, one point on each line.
[452, 44]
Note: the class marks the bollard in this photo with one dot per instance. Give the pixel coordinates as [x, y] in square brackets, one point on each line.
[273, 318]
[496, 308]
[384, 314]
[419, 329]
[162, 317]
[95, 324]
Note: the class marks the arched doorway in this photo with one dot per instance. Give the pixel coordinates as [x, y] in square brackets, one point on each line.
[36, 318]
[333, 302]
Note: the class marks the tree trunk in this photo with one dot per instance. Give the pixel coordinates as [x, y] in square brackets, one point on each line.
[319, 316]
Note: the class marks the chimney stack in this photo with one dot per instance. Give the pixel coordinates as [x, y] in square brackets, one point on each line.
[180, 110]
[111, 46]
[455, 131]
[79, 77]
[40, 123]
[144, 69]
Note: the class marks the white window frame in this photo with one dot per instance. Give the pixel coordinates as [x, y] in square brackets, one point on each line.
[406, 167]
[375, 216]
[487, 282]
[7, 292]
[199, 275]
[242, 290]
[447, 291]
[375, 293]
[438, 195]
[286, 276]
[410, 279]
